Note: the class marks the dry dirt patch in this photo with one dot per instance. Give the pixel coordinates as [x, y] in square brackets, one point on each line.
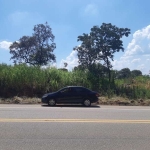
[20, 100]
[102, 101]
[123, 101]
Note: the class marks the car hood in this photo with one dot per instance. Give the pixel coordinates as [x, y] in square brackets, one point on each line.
[48, 94]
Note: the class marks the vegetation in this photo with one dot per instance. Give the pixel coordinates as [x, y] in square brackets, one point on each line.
[23, 80]
[36, 49]
[100, 45]
[28, 78]
[33, 81]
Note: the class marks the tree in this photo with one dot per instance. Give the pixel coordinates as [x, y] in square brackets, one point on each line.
[65, 64]
[36, 49]
[80, 68]
[86, 52]
[100, 45]
[136, 73]
[124, 73]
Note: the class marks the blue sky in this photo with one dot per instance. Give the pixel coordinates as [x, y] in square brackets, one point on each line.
[71, 18]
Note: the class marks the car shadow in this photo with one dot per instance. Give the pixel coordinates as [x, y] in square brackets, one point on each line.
[70, 105]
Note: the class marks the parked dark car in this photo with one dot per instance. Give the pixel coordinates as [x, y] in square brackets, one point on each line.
[71, 95]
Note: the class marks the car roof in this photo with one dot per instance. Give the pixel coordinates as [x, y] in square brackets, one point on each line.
[76, 86]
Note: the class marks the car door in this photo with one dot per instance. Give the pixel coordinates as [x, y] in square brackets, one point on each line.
[78, 94]
[74, 97]
[65, 96]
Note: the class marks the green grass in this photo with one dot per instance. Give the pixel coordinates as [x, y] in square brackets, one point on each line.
[22, 80]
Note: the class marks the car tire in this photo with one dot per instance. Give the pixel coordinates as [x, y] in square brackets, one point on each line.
[87, 102]
[51, 102]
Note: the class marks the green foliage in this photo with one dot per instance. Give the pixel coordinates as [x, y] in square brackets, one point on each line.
[20, 80]
[23, 80]
[124, 73]
[133, 89]
[135, 73]
[95, 54]
[100, 45]
[36, 49]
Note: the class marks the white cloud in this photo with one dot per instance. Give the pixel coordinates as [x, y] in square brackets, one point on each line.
[140, 43]
[137, 54]
[133, 50]
[71, 60]
[135, 60]
[144, 33]
[5, 45]
[91, 9]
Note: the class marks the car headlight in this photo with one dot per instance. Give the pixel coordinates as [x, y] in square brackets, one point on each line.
[44, 96]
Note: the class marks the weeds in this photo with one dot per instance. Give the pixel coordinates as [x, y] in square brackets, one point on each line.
[23, 80]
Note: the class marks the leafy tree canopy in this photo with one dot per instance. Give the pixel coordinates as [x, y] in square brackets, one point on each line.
[124, 73]
[136, 73]
[100, 45]
[36, 49]
[96, 68]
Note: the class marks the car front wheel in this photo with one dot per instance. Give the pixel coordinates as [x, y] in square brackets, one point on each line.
[87, 102]
[51, 102]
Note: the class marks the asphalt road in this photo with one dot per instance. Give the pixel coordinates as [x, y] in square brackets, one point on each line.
[36, 127]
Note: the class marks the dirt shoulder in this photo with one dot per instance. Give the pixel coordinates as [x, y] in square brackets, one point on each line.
[20, 100]
[102, 101]
[123, 101]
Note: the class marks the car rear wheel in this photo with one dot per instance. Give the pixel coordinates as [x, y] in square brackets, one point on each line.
[51, 102]
[87, 102]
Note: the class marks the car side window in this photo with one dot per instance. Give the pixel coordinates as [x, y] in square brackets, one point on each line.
[66, 90]
[79, 90]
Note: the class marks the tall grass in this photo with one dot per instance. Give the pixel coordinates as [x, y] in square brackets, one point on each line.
[133, 89]
[23, 80]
